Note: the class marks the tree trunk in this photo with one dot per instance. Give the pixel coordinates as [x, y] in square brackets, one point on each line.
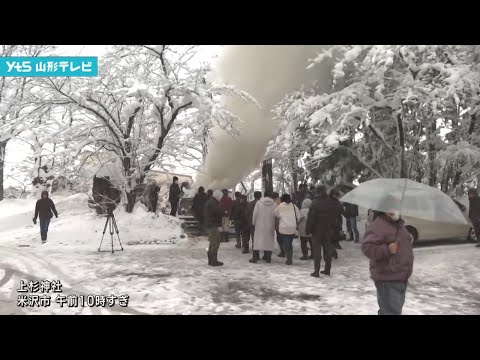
[473, 121]
[446, 177]
[401, 139]
[294, 175]
[348, 174]
[131, 194]
[432, 174]
[131, 197]
[456, 179]
[205, 144]
[3, 146]
[419, 177]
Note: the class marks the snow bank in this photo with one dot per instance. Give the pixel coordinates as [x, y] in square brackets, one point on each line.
[78, 225]
[73, 204]
[143, 227]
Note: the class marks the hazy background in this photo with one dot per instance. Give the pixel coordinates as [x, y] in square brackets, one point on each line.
[267, 73]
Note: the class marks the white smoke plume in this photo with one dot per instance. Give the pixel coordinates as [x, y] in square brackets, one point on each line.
[267, 72]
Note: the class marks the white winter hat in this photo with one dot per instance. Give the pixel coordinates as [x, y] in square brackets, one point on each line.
[217, 194]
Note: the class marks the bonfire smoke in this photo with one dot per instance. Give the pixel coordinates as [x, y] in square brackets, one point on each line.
[267, 73]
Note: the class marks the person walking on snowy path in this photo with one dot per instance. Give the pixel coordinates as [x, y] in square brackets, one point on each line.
[264, 222]
[213, 221]
[387, 245]
[474, 212]
[304, 239]
[287, 217]
[43, 210]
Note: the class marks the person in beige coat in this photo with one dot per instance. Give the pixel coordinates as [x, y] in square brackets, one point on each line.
[264, 222]
[288, 218]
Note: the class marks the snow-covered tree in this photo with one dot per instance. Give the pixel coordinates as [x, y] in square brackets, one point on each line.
[53, 148]
[17, 99]
[290, 144]
[390, 109]
[139, 101]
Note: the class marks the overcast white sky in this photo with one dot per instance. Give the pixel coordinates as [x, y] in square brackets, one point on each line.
[17, 151]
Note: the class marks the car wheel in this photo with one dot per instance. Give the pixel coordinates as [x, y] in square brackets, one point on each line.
[413, 235]
[472, 237]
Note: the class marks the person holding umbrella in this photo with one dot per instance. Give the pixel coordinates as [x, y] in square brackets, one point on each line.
[387, 245]
[387, 241]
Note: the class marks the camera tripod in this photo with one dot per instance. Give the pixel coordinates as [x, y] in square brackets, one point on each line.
[112, 223]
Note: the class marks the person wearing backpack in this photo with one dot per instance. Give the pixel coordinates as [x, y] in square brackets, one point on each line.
[287, 217]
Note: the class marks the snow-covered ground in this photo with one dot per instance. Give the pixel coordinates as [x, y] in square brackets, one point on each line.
[174, 278]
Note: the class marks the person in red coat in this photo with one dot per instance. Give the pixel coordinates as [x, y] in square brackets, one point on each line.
[226, 204]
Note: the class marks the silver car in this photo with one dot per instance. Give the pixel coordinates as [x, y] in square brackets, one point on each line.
[422, 230]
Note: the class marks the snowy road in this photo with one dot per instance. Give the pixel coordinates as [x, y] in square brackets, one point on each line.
[176, 280]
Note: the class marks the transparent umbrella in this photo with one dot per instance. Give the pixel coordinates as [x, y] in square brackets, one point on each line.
[410, 198]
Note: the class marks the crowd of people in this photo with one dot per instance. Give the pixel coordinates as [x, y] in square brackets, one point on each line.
[313, 215]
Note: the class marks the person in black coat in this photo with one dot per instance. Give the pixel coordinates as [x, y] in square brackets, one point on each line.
[209, 193]
[351, 214]
[174, 196]
[301, 194]
[153, 198]
[337, 226]
[213, 220]
[198, 205]
[244, 223]
[322, 223]
[250, 207]
[43, 210]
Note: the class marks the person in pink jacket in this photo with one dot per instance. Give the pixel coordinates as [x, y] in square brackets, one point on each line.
[387, 245]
